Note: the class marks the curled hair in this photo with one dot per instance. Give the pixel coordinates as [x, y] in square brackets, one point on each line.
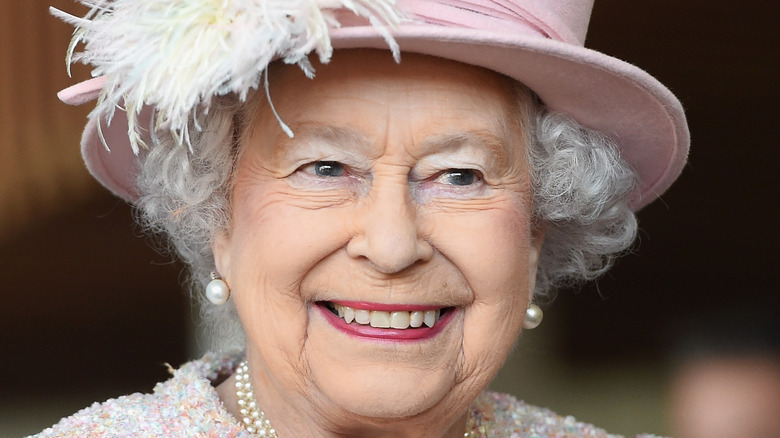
[185, 197]
[581, 188]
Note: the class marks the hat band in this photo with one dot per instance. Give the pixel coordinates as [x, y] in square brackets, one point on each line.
[494, 15]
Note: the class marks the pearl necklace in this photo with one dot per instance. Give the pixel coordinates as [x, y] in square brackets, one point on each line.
[255, 421]
[253, 418]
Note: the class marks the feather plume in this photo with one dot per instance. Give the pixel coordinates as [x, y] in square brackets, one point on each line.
[175, 55]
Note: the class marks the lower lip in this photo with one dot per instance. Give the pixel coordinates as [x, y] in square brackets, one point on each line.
[387, 334]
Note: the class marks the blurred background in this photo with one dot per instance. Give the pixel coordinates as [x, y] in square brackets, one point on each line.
[90, 311]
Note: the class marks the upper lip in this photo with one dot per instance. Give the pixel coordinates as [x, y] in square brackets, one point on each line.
[388, 307]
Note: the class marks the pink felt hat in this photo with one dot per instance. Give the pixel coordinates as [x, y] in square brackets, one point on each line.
[540, 43]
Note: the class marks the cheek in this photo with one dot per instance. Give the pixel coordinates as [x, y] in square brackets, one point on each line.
[491, 249]
[274, 244]
[284, 238]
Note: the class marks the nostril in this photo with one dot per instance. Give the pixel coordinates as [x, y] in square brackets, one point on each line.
[388, 253]
[424, 250]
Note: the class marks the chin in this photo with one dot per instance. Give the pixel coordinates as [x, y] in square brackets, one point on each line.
[380, 379]
[389, 394]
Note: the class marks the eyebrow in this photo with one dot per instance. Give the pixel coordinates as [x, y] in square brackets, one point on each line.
[348, 138]
[353, 139]
[458, 140]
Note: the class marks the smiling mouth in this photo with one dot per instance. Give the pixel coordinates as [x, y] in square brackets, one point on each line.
[396, 319]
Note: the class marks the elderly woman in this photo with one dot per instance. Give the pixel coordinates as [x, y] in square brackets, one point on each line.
[373, 237]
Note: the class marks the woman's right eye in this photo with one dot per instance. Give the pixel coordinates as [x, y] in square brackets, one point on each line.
[326, 168]
[460, 177]
[328, 176]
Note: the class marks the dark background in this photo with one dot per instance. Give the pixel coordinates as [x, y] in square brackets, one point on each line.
[710, 244]
[88, 303]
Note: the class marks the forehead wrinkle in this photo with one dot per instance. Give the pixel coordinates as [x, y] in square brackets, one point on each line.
[497, 147]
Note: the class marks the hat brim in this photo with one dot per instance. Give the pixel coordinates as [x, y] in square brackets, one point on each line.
[601, 92]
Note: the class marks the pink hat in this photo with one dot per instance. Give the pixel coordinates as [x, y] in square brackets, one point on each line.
[537, 42]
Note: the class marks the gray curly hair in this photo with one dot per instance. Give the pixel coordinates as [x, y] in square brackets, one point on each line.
[581, 189]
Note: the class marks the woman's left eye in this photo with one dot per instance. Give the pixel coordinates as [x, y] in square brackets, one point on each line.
[459, 177]
[328, 168]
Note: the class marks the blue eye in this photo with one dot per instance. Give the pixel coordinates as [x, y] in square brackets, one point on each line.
[460, 177]
[328, 168]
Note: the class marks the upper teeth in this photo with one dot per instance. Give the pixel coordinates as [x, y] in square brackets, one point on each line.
[401, 319]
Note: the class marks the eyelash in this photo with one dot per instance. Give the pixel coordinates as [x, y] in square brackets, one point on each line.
[453, 177]
[449, 177]
[333, 166]
[327, 175]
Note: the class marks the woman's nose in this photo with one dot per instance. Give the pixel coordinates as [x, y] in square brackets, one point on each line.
[388, 233]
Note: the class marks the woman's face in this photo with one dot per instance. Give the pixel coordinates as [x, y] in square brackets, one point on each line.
[404, 191]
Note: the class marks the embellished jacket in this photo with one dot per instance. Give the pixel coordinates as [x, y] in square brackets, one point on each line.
[187, 405]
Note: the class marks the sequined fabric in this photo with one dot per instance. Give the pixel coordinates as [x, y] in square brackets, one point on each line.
[187, 405]
[496, 415]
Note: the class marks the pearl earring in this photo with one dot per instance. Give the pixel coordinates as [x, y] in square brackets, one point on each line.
[533, 317]
[217, 291]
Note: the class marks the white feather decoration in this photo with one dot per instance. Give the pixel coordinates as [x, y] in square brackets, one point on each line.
[175, 55]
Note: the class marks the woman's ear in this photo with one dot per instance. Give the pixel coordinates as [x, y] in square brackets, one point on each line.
[220, 247]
